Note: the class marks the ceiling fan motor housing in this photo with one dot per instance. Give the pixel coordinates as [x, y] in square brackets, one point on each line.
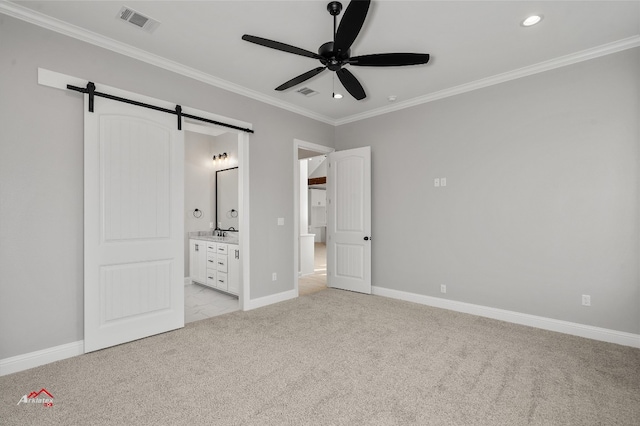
[329, 57]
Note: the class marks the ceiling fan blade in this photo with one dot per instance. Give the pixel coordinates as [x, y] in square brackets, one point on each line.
[351, 83]
[389, 59]
[350, 25]
[280, 46]
[299, 79]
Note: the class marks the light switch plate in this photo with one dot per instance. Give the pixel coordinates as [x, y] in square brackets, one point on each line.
[436, 182]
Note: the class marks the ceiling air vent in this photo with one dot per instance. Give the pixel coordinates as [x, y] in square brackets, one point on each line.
[307, 92]
[138, 19]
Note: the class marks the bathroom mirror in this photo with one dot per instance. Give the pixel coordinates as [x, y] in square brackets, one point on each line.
[227, 199]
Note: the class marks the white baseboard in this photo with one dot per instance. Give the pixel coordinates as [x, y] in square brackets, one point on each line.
[45, 356]
[269, 300]
[57, 353]
[566, 327]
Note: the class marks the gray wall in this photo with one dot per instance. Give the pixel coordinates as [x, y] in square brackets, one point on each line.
[41, 175]
[198, 188]
[227, 142]
[541, 202]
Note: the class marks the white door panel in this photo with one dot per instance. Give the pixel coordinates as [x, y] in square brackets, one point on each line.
[349, 220]
[134, 161]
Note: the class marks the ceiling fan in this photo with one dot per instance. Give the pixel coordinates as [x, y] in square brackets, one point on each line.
[334, 55]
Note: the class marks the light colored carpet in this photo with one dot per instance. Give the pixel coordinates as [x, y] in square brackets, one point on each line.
[338, 358]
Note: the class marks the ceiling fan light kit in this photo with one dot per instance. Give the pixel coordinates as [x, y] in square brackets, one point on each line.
[532, 20]
[335, 55]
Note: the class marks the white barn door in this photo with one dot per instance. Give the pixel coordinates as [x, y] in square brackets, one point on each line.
[133, 195]
[349, 220]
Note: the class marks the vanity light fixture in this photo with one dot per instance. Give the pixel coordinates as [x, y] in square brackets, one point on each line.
[220, 157]
[337, 96]
[531, 20]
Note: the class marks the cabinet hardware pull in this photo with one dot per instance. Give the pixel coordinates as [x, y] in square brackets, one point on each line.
[220, 263]
[210, 278]
[196, 247]
[237, 254]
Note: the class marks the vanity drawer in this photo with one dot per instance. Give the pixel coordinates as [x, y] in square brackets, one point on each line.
[211, 247]
[221, 281]
[221, 263]
[212, 261]
[222, 249]
[211, 277]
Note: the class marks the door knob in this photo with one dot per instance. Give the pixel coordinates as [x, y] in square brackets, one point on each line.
[367, 238]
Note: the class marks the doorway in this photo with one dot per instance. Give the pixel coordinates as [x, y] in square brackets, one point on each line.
[210, 154]
[310, 254]
[348, 209]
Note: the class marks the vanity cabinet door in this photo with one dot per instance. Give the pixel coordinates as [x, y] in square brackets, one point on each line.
[198, 261]
[233, 268]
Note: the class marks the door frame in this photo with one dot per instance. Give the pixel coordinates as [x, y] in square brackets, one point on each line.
[321, 150]
[60, 81]
[243, 196]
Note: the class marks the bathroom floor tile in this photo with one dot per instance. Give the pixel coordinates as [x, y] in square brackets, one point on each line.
[201, 302]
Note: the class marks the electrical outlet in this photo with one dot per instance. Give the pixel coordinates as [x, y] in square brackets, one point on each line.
[443, 181]
[211, 225]
[436, 182]
[280, 221]
[586, 300]
[443, 288]
[274, 277]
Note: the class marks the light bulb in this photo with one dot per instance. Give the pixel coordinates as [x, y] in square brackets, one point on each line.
[531, 20]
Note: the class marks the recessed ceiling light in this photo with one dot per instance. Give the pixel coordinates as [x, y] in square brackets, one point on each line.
[531, 20]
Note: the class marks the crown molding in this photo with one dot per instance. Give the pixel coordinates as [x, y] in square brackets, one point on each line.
[584, 55]
[56, 25]
[61, 27]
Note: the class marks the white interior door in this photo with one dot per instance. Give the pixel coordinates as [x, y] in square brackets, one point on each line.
[349, 220]
[133, 230]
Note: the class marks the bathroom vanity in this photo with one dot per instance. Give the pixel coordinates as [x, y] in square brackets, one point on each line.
[215, 262]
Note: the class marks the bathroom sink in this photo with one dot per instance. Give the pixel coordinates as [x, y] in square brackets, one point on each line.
[226, 239]
[231, 238]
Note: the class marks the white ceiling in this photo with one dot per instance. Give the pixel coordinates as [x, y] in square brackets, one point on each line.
[469, 42]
